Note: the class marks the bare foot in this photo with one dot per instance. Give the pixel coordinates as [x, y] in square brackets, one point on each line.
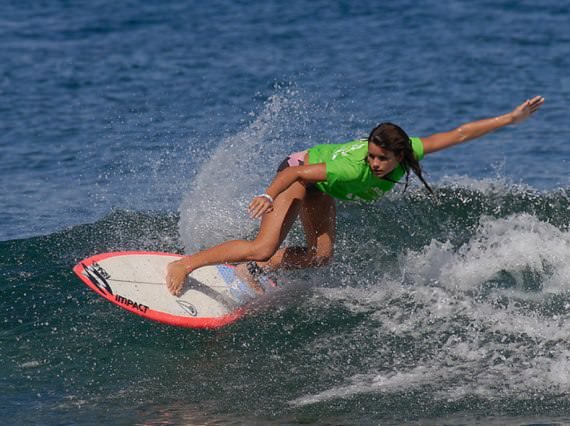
[176, 273]
[244, 275]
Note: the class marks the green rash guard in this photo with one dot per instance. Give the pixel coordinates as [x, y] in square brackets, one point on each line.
[348, 174]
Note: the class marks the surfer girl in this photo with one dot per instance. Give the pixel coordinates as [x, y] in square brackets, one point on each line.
[307, 184]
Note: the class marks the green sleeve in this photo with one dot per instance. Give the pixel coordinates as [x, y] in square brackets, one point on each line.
[417, 148]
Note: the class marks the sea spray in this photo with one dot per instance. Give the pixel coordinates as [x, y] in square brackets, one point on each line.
[241, 166]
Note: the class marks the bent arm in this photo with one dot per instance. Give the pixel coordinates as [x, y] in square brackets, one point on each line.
[476, 129]
[307, 174]
[283, 180]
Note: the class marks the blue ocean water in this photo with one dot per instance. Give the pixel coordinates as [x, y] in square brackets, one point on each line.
[149, 125]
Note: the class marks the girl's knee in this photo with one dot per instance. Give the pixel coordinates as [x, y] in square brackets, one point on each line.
[322, 260]
[262, 252]
[321, 256]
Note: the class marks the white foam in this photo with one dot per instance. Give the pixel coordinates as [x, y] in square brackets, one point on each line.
[464, 367]
[516, 349]
[365, 383]
[497, 185]
[30, 364]
[519, 244]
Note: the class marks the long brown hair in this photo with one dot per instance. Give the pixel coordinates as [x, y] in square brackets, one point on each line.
[393, 138]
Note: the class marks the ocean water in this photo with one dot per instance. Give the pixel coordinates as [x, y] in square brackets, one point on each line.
[144, 125]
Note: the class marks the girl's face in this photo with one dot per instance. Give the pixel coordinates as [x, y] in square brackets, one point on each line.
[382, 161]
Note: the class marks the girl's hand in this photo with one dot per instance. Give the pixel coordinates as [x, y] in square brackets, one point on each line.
[259, 206]
[524, 110]
[176, 273]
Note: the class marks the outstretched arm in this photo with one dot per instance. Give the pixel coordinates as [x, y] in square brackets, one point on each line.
[475, 129]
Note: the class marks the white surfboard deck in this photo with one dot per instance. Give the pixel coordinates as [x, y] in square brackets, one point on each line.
[212, 296]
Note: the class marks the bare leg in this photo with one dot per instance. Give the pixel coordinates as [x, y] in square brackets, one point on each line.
[273, 230]
[318, 216]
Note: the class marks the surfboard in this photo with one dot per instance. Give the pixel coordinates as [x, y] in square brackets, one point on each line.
[212, 296]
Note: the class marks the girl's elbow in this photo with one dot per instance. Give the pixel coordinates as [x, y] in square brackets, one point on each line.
[461, 134]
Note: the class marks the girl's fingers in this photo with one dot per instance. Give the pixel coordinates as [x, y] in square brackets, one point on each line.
[535, 102]
[253, 206]
[528, 107]
[262, 209]
[258, 207]
[254, 210]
